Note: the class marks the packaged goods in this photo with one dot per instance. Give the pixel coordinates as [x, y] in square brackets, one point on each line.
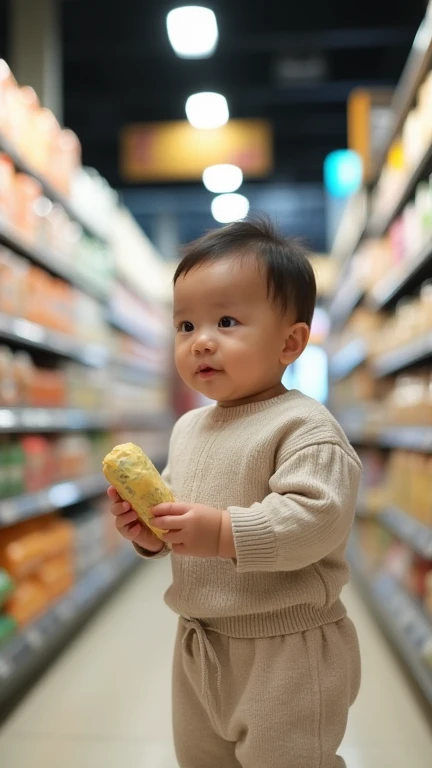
[136, 480]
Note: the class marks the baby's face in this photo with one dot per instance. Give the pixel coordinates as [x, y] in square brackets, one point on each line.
[230, 337]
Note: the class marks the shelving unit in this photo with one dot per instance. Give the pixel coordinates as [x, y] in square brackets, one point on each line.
[44, 257]
[348, 359]
[29, 334]
[51, 193]
[401, 617]
[130, 379]
[407, 275]
[413, 352]
[408, 529]
[403, 437]
[364, 400]
[380, 222]
[59, 496]
[72, 419]
[34, 648]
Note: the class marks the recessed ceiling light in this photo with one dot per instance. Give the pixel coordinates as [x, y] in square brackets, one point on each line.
[223, 178]
[192, 31]
[207, 110]
[228, 208]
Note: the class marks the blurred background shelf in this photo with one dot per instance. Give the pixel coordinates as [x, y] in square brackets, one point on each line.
[348, 359]
[59, 496]
[401, 617]
[29, 334]
[411, 353]
[406, 276]
[10, 237]
[380, 222]
[402, 437]
[72, 419]
[409, 530]
[49, 190]
[35, 646]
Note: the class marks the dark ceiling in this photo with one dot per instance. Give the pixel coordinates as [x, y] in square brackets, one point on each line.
[119, 68]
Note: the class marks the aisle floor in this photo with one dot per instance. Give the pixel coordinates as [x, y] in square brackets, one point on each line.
[105, 703]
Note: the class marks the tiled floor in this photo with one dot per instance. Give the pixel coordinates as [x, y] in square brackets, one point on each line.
[106, 702]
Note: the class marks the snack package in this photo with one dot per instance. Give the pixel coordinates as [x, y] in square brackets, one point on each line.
[136, 480]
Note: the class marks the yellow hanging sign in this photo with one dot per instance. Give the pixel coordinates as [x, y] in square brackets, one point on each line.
[175, 151]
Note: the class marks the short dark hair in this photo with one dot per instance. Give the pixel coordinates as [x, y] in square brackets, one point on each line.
[290, 277]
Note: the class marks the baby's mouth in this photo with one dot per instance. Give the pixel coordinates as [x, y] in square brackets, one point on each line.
[206, 371]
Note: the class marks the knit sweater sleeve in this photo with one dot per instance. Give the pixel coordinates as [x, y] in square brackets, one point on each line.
[307, 514]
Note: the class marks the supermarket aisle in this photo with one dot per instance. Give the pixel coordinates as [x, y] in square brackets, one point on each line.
[105, 703]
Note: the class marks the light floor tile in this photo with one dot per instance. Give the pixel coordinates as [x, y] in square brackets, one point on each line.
[106, 701]
[52, 753]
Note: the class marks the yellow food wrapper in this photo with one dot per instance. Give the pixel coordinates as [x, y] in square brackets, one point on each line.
[137, 481]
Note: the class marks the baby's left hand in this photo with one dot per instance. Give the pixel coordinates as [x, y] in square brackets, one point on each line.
[194, 529]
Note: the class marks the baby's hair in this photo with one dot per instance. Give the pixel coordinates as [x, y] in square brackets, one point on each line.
[290, 277]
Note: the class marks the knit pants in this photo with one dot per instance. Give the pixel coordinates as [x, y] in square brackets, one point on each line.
[278, 702]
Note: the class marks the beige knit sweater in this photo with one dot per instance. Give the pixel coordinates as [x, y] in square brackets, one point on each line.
[289, 478]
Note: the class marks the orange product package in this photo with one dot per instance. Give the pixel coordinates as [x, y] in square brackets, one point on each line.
[27, 191]
[28, 602]
[7, 189]
[57, 575]
[38, 462]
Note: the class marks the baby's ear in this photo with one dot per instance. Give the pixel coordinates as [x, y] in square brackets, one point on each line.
[296, 339]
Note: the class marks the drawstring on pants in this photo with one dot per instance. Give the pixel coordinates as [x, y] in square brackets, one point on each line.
[207, 652]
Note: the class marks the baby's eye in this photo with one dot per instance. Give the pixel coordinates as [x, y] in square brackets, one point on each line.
[186, 327]
[227, 322]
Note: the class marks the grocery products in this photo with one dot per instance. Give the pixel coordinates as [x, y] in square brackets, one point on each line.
[137, 480]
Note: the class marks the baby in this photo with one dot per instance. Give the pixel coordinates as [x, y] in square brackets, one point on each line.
[266, 662]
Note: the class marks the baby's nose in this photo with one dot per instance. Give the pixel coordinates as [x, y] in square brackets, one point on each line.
[203, 344]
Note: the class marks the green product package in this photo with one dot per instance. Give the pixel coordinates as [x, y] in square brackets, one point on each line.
[8, 628]
[6, 586]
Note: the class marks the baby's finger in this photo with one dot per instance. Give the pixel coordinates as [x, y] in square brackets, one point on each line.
[174, 537]
[126, 518]
[167, 523]
[119, 508]
[113, 494]
[131, 531]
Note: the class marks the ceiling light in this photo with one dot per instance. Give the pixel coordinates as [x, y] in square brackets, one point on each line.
[192, 31]
[207, 110]
[222, 178]
[227, 208]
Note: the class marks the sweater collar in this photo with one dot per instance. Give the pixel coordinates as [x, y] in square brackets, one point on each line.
[230, 413]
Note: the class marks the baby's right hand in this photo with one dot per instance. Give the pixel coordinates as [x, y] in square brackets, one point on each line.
[129, 525]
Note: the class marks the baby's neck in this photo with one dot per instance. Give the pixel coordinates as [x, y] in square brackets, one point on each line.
[258, 397]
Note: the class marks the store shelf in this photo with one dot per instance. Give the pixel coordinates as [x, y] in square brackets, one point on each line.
[34, 647]
[403, 278]
[403, 437]
[58, 496]
[417, 66]
[407, 626]
[26, 333]
[51, 192]
[408, 438]
[136, 330]
[44, 257]
[380, 222]
[404, 357]
[351, 228]
[348, 359]
[409, 530]
[344, 303]
[14, 420]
